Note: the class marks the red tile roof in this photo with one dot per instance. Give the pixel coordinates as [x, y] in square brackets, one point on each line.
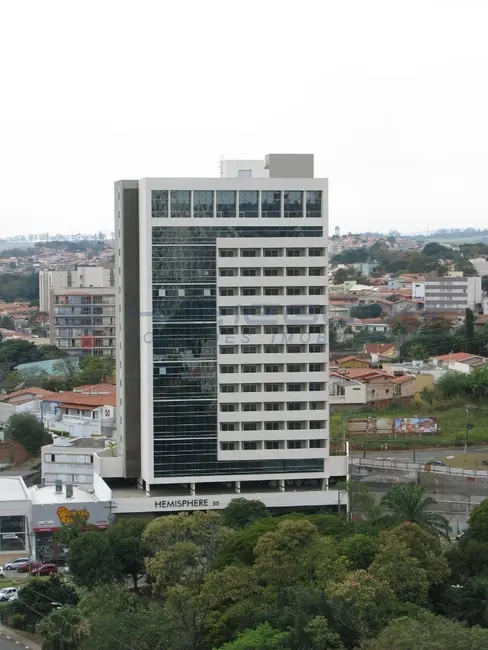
[29, 394]
[455, 356]
[78, 400]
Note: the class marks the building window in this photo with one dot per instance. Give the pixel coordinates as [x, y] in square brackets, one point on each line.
[250, 273]
[273, 444]
[228, 252]
[297, 444]
[229, 408]
[273, 426]
[316, 367]
[316, 252]
[317, 444]
[273, 291]
[229, 426]
[250, 252]
[180, 204]
[228, 446]
[250, 406]
[294, 204]
[273, 252]
[270, 204]
[226, 204]
[314, 204]
[251, 426]
[251, 388]
[203, 205]
[248, 204]
[272, 273]
[159, 207]
[250, 445]
[273, 406]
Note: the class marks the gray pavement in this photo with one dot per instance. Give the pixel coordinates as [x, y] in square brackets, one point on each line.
[10, 641]
[421, 455]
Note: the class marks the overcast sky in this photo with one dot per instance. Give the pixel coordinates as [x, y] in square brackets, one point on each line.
[391, 96]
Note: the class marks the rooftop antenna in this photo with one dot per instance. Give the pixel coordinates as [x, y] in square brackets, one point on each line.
[221, 166]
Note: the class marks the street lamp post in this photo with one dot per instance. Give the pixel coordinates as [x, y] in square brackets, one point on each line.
[468, 427]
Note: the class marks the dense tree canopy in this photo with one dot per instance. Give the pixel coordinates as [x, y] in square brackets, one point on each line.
[243, 579]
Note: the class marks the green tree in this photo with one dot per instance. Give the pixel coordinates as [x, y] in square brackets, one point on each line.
[92, 561]
[409, 502]
[263, 637]
[467, 268]
[478, 523]
[119, 619]
[359, 549]
[320, 635]
[7, 323]
[63, 629]
[367, 311]
[37, 598]
[95, 370]
[395, 565]
[360, 605]
[12, 381]
[238, 547]
[434, 249]
[295, 553]
[51, 352]
[26, 429]
[241, 512]
[200, 528]
[15, 352]
[424, 546]
[129, 550]
[428, 632]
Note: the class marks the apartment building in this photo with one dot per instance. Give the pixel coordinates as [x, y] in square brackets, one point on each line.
[453, 292]
[81, 306]
[222, 357]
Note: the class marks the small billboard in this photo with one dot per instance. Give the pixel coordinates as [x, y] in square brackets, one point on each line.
[414, 426]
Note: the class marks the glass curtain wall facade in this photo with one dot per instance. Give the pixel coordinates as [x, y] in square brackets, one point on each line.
[185, 321]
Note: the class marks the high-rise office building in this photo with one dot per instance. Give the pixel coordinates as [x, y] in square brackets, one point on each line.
[222, 354]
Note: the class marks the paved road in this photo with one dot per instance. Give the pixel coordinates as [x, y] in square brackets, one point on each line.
[9, 643]
[420, 455]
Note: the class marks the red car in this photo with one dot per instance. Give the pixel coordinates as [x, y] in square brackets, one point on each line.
[44, 570]
[28, 566]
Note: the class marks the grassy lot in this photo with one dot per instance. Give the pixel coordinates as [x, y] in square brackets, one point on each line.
[470, 461]
[451, 426]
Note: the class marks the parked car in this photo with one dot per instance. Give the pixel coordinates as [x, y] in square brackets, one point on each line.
[436, 462]
[7, 592]
[28, 566]
[44, 570]
[13, 565]
[13, 598]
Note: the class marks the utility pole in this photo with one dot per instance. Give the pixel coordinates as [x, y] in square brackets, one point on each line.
[469, 426]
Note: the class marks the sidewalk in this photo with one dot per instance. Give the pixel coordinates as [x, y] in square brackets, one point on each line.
[17, 638]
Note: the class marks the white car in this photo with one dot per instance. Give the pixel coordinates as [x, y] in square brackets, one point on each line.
[13, 565]
[7, 592]
[2, 572]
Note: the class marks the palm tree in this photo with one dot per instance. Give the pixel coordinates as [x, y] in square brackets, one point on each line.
[409, 502]
[63, 629]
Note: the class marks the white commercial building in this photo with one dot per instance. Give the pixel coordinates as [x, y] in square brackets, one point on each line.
[222, 354]
[453, 293]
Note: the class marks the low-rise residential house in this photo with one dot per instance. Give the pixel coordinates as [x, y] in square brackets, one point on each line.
[370, 325]
[345, 391]
[70, 461]
[379, 351]
[77, 414]
[481, 321]
[380, 389]
[81, 415]
[459, 361]
[367, 268]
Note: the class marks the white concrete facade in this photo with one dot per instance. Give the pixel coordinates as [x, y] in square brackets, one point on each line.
[270, 294]
[453, 293]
